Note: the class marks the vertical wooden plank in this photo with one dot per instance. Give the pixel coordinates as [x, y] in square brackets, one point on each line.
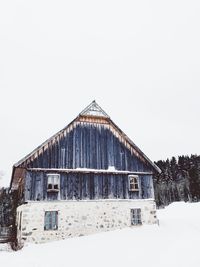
[96, 187]
[105, 185]
[27, 186]
[85, 186]
[125, 187]
[76, 186]
[91, 181]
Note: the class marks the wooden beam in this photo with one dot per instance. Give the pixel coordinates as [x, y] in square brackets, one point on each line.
[82, 170]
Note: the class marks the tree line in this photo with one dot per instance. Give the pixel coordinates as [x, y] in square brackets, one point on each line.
[178, 181]
[7, 206]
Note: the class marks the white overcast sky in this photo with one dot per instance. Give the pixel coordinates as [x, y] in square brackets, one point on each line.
[140, 60]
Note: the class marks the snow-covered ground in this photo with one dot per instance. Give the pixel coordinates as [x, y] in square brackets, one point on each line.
[175, 242]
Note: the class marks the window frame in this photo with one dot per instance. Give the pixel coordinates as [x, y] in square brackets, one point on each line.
[135, 183]
[136, 216]
[53, 183]
[51, 226]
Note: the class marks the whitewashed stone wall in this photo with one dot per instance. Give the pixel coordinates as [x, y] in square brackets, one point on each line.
[77, 218]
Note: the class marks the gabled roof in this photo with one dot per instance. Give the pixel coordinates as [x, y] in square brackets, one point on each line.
[92, 111]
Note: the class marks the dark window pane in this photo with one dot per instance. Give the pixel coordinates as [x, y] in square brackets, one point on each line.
[49, 186]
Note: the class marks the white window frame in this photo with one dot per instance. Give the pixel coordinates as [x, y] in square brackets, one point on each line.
[53, 179]
[133, 183]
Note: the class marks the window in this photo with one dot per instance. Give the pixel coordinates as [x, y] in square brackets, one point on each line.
[53, 182]
[51, 220]
[136, 217]
[133, 183]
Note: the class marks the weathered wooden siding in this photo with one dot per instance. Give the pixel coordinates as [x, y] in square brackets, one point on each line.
[79, 186]
[88, 146]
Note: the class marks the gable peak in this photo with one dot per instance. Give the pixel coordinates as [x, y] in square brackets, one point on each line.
[94, 110]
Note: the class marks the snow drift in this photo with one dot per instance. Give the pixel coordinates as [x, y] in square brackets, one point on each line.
[175, 242]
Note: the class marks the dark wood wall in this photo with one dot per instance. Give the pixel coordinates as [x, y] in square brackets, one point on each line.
[91, 146]
[88, 146]
[86, 186]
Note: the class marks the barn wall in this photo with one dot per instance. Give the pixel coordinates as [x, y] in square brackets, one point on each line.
[88, 145]
[81, 186]
[77, 218]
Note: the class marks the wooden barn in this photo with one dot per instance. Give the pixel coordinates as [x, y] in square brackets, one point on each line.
[87, 178]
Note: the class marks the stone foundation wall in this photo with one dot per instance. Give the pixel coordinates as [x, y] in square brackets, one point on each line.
[77, 218]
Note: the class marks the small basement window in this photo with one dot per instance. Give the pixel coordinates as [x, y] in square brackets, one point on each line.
[136, 217]
[51, 220]
[53, 182]
[133, 183]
